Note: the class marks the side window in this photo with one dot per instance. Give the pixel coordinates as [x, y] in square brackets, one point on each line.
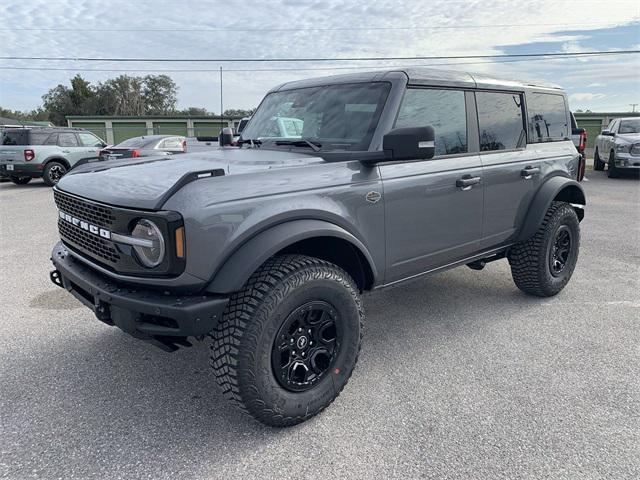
[615, 126]
[39, 138]
[547, 117]
[67, 140]
[89, 140]
[612, 125]
[52, 140]
[500, 120]
[444, 110]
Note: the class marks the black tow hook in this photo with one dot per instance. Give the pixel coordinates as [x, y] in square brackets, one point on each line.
[55, 277]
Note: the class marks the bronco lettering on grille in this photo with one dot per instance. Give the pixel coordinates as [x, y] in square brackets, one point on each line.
[89, 227]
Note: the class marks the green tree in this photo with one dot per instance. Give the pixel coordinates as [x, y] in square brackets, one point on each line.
[61, 101]
[238, 112]
[159, 94]
[195, 112]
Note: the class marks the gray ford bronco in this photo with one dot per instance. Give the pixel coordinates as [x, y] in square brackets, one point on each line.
[338, 186]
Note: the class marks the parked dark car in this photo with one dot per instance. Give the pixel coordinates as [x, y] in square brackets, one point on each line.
[145, 146]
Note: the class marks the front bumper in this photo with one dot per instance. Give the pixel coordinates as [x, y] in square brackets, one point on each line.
[156, 316]
[625, 160]
[33, 170]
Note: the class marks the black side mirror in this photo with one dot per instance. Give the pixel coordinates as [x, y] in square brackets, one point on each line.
[226, 137]
[409, 143]
[608, 133]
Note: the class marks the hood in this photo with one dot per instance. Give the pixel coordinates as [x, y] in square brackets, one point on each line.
[147, 183]
[628, 137]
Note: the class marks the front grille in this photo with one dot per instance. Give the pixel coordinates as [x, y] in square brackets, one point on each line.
[98, 247]
[90, 212]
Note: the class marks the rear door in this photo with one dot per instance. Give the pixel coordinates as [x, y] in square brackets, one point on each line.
[511, 169]
[431, 218]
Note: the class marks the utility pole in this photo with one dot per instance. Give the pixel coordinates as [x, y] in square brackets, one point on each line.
[633, 107]
[221, 117]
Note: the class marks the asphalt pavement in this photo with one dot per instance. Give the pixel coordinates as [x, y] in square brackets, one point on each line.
[461, 375]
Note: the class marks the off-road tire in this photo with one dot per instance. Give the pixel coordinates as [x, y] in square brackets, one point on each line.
[20, 180]
[530, 260]
[612, 171]
[598, 164]
[51, 175]
[244, 338]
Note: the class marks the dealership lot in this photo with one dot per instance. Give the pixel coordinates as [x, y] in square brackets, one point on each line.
[460, 376]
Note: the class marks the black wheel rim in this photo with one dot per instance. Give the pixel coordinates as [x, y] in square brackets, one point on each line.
[56, 172]
[560, 251]
[306, 346]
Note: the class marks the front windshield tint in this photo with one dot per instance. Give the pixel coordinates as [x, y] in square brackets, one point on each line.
[336, 116]
[629, 126]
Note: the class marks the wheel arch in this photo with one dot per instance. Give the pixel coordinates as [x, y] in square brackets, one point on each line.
[61, 160]
[557, 188]
[317, 238]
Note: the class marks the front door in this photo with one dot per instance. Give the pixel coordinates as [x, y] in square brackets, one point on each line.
[433, 208]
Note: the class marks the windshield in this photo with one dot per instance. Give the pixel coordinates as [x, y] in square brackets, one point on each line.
[629, 126]
[336, 116]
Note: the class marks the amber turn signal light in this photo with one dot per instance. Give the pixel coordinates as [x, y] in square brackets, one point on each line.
[180, 242]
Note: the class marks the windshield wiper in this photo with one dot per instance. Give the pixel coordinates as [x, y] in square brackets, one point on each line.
[303, 142]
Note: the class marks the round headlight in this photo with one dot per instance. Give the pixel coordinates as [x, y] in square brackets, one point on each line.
[150, 252]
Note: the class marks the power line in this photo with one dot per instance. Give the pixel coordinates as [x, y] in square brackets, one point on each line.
[296, 69]
[296, 29]
[338, 59]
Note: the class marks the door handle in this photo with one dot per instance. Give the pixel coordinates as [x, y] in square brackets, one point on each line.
[66, 151]
[529, 172]
[465, 183]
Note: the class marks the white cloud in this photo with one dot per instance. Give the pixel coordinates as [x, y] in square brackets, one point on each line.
[596, 85]
[23, 89]
[586, 96]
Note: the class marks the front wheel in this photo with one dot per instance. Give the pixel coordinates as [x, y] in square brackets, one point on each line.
[20, 180]
[287, 344]
[543, 265]
[598, 164]
[53, 172]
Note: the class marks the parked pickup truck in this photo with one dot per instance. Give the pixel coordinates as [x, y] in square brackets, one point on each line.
[264, 249]
[618, 146]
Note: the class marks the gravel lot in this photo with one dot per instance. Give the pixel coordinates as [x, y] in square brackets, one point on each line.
[460, 376]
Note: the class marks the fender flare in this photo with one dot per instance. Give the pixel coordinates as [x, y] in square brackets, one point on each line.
[569, 190]
[246, 259]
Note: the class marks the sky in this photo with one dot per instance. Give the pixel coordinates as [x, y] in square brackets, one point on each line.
[180, 29]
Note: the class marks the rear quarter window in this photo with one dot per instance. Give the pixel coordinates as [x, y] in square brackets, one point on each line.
[40, 138]
[547, 118]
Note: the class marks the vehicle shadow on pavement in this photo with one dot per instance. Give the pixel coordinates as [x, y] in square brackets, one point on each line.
[106, 389]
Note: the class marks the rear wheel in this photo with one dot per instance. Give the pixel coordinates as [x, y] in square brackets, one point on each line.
[20, 180]
[612, 171]
[287, 344]
[53, 172]
[543, 265]
[598, 164]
